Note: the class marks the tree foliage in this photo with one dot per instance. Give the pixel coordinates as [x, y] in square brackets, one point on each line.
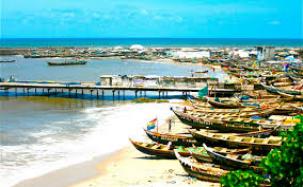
[241, 178]
[283, 165]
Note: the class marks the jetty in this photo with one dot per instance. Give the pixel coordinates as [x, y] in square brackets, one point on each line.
[116, 84]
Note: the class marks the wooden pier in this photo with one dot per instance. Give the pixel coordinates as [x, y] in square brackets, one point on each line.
[87, 88]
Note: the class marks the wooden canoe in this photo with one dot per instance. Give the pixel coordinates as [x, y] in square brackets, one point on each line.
[288, 90]
[235, 141]
[237, 161]
[176, 139]
[291, 97]
[228, 104]
[202, 156]
[225, 123]
[159, 150]
[203, 171]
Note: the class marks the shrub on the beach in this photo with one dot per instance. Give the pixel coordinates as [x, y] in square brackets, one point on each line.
[284, 165]
[241, 178]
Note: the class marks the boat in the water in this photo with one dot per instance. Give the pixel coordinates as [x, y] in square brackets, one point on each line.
[7, 61]
[233, 160]
[184, 139]
[203, 171]
[66, 63]
[235, 141]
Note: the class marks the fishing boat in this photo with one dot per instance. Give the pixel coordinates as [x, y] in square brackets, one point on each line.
[202, 156]
[199, 72]
[235, 141]
[224, 104]
[291, 97]
[224, 123]
[232, 160]
[287, 90]
[159, 150]
[203, 171]
[184, 139]
[7, 61]
[66, 63]
[260, 94]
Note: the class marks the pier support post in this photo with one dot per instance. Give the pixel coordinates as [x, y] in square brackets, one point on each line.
[123, 94]
[97, 94]
[102, 93]
[76, 92]
[114, 94]
[48, 91]
[16, 91]
[136, 93]
[91, 92]
[159, 95]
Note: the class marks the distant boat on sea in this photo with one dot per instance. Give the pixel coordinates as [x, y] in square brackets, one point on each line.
[65, 63]
[7, 61]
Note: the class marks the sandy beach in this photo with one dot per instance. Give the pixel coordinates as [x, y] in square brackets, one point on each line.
[129, 167]
[126, 167]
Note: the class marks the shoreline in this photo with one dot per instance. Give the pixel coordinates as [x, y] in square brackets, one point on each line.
[55, 177]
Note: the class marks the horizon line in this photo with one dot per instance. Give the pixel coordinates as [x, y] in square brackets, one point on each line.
[4, 38]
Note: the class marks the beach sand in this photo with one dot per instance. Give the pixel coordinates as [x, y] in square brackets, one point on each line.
[126, 167]
[129, 167]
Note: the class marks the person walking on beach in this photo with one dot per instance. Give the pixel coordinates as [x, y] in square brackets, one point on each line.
[169, 125]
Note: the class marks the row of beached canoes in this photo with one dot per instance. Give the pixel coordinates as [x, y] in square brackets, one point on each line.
[221, 139]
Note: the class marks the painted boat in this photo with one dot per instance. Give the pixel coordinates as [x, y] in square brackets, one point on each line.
[291, 97]
[290, 91]
[176, 139]
[159, 150]
[202, 156]
[228, 104]
[203, 171]
[232, 160]
[220, 122]
[235, 141]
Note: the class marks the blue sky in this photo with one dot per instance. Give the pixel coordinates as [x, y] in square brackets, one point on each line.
[152, 18]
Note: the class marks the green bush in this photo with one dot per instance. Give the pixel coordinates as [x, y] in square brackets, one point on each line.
[285, 165]
[241, 178]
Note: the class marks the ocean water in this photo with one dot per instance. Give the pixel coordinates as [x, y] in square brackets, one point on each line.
[163, 42]
[42, 134]
[39, 135]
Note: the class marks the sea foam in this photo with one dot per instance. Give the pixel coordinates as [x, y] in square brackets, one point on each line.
[107, 130]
